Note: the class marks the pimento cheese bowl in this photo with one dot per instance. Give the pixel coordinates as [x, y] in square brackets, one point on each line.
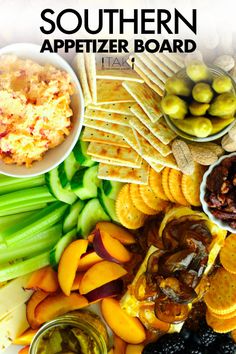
[51, 145]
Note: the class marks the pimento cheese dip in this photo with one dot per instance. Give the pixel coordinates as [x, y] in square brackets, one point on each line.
[35, 113]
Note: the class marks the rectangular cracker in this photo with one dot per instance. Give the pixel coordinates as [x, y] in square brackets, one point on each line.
[148, 72]
[113, 153]
[98, 136]
[150, 137]
[112, 128]
[149, 101]
[146, 79]
[120, 108]
[136, 164]
[107, 117]
[124, 174]
[148, 152]
[90, 65]
[117, 74]
[159, 64]
[112, 91]
[79, 66]
[168, 62]
[156, 166]
[156, 70]
[159, 129]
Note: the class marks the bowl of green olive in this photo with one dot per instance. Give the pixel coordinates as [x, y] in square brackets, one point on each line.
[199, 102]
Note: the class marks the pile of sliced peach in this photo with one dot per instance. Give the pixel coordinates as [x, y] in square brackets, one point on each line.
[89, 271]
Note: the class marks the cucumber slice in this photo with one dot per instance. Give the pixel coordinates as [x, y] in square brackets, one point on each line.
[85, 183]
[111, 188]
[54, 184]
[34, 224]
[108, 204]
[56, 252]
[71, 219]
[80, 153]
[67, 169]
[89, 216]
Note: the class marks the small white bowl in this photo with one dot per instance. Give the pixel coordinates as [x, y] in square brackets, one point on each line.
[205, 207]
[55, 156]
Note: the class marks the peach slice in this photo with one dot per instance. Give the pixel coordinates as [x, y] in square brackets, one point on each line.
[69, 263]
[24, 350]
[99, 274]
[116, 232]
[87, 260]
[35, 299]
[134, 349]
[112, 288]
[26, 337]
[109, 248]
[123, 325]
[77, 281]
[44, 279]
[57, 305]
[119, 345]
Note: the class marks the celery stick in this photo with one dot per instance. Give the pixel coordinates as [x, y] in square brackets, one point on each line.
[21, 209]
[7, 209]
[35, 238]
[9, 220]
[34, 224]
[5, 180]
[20, 183]
[24, 267]
[28, 249]
[22, 195]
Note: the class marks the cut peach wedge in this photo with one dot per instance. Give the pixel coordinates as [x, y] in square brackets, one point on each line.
[26, 337]
[99, 274]
[69, 263]
[116, 232]
[109, 248]
[123, 325]
[33, 302]
[57, 305]
[44, 279]
[77, 281]
[88, 260]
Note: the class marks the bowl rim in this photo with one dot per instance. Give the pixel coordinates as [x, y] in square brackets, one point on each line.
[209, 138]
[63, 65]
[205, 207]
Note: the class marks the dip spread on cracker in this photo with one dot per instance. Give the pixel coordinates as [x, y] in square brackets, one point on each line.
[34, 107]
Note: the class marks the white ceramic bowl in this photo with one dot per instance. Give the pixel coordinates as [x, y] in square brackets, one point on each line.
[205, 207]
[55, 156]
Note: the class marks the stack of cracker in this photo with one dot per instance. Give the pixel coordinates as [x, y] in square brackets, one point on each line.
[123, 122]
[155, 69]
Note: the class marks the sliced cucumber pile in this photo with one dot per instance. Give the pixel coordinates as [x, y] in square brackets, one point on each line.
[108, 205]
[55, 186]
[71, 216]
[85, 183]
[89, 216]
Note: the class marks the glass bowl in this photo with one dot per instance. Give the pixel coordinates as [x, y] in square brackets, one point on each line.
[222, 224]
[216, 72]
